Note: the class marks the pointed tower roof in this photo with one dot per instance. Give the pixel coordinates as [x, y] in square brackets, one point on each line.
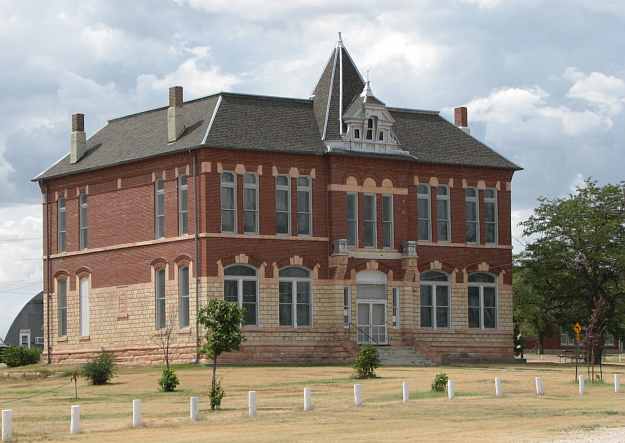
[339, 85]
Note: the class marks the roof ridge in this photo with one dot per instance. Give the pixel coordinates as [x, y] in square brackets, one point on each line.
[267, 97]
[161, 108]
[413, 111]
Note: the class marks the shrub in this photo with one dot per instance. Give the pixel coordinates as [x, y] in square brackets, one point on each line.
[16, 356]
[216, 394]
[100, 370]
[169, 380]
[367, 361]
[440, 382]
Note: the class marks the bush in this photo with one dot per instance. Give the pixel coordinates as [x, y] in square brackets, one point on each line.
[367, 361]
[216, 394]
[440, 382]
[16, 356]
[100, 370]
[169, 380]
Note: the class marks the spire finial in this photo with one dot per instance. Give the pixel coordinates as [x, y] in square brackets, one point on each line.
[340, 42]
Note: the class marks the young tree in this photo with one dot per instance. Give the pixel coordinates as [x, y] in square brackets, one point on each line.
[580, 243]
[165, 337]
[221, 321]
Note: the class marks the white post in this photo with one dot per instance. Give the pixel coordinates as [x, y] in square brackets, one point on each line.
[136, 413]
[357, 395]
[194, 408]
[404, 391]
[307, 399]
[74, 423]
[498, 391]
[617, 383]
[540, 387]
[451, 387]
[251, 403]
[7, 426]
[581, 385]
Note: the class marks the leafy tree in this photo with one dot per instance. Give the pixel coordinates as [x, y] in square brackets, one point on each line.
[221, 321]
[366, 362]
[578, 256]
[101, 369]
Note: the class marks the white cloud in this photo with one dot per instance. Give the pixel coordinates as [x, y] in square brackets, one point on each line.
[604, 91]
[483, 4]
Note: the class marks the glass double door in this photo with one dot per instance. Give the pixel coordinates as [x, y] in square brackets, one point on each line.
[372, 322]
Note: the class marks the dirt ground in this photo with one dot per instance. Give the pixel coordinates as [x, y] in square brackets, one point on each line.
[41, 406]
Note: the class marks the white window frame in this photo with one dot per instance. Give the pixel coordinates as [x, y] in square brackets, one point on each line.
[447, 200]
[354, 221]
[61, 308]
[347, 307]
[396, 304]
[61, 224]
[232, 186]
[481, 286]
[434, 285]
[240, 279]
[158, 297]
[182, 296]
[284, 188]
[84, 305]
[83, 220]
[25, 333]
[386, 223]
[294, 281]
[183, 195]
[495, 222]
[476, 200]
[374, 221]
[420, 218]
[254, 186]
[566, 338]
[307, 189]
[159, 212]
[39, 341]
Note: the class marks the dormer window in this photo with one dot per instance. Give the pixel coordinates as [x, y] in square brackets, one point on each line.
[370, 129]
[357, 133]
[381, 137]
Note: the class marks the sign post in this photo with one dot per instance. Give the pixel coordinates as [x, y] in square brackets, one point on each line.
[578, 329]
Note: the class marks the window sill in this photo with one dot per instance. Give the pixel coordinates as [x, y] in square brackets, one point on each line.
[84, 338]
[62, 339]
[122, 317]
[184, 331]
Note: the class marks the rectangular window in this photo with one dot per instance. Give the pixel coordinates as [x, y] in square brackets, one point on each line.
[82, 199]
[183, 293]
[159, 208]
[83, 289]
[283, 204]
[387, 220]
[475, 317]
[566, 338]
[352, 219]
[160, 319]
[370, 221]
[61, 289]
[304, 206]
[442, 213]
[396, 307]
[423, 213]
[61, 224]
[347, 307]
[482, 307]
[228, 202]
[183, 205]
[294, 303]
[490, 215]
[286, 303]
[434, 306]
[250, 203]
[472, 215]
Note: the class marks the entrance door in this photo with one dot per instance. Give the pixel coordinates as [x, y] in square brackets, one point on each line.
[372, 323]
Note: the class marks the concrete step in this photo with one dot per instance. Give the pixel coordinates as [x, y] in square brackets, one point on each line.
[401, 356]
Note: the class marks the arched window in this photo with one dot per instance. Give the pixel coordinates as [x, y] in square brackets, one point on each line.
[435, 306]
[83, 292]
[61, 305]
[482, 300]
[241, 287]
[372, 124]
[160, 319]
[295, 297]
[424, 224]
[183, 296]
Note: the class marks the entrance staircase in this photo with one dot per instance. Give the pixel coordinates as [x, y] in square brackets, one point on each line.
[401, 356]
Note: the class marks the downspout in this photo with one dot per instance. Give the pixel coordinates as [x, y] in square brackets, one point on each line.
[48, 270]
[196, 199]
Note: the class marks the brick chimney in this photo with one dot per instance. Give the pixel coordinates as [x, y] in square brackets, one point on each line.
[461, 119]
[79, 139]
[175, 126]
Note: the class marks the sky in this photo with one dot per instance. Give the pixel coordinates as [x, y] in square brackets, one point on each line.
[544, 81]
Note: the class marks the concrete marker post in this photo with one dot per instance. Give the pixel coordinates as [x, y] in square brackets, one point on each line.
[581, 385]
[251, 403]
[74, 422]
[540, 389]
[498, 391]
[405, 393]
[451, 389]
[617, 383]
[307, 400]
[194, 408]
[7, 424]
[136, 413]
[357, 395]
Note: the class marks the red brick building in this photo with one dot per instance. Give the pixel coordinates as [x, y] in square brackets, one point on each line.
[334, 220]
